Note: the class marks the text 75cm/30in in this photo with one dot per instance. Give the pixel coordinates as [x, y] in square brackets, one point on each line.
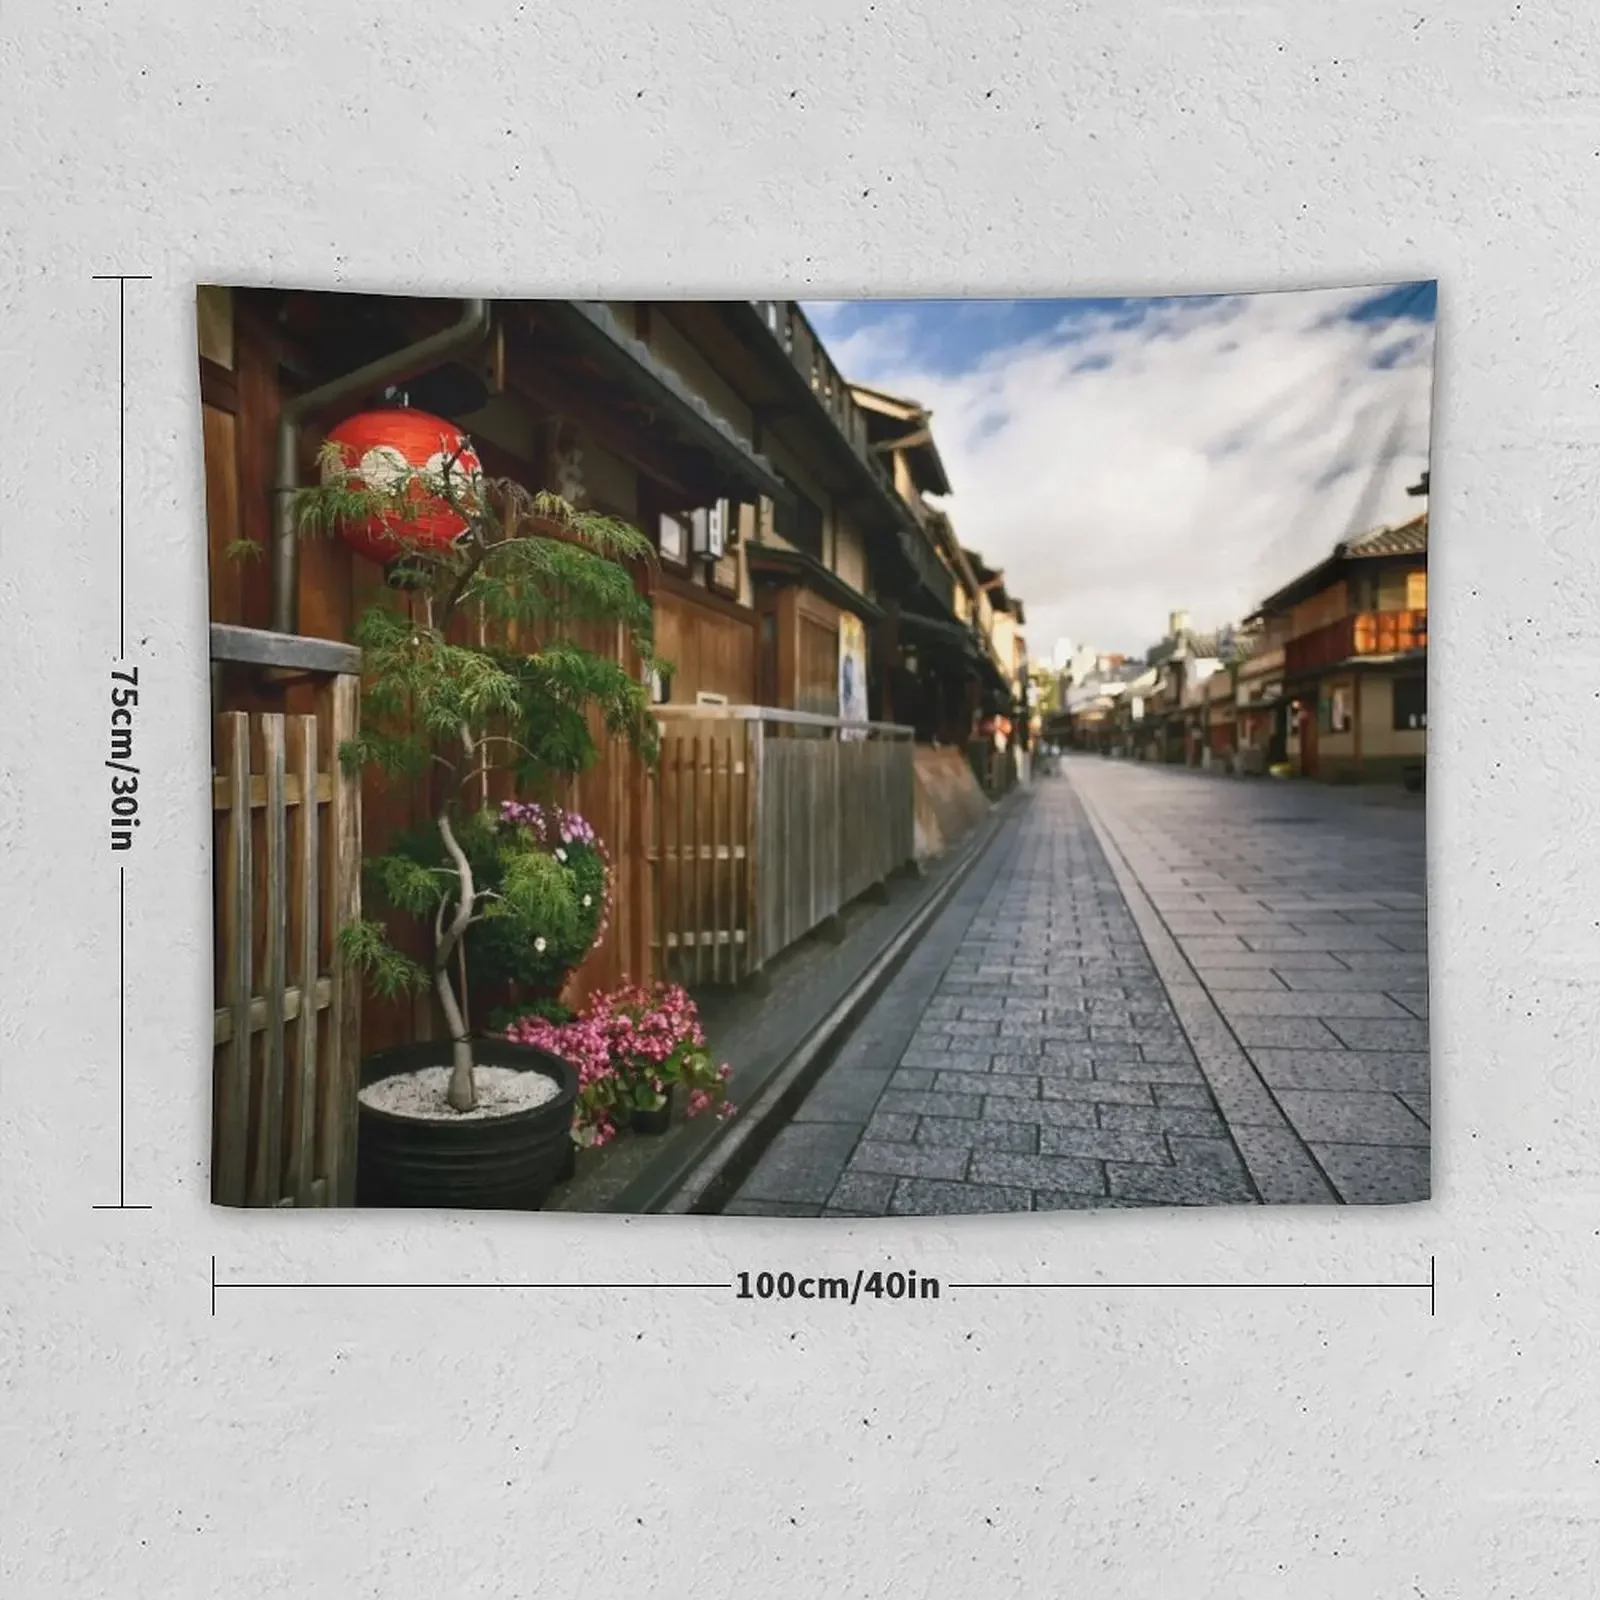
[124, 774]
[874, 1285]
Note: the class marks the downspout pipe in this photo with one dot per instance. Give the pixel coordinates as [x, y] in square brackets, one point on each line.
[409, 362]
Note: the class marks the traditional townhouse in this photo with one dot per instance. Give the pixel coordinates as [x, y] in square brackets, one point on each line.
[939, 671]
[1260, 707]
[1220, 737]
[1131, 730]
[1354, 631]
[1173, 725]
[1087, 719]
[1007, 618]
[832, 557]
[958, 674]
[1006, 703]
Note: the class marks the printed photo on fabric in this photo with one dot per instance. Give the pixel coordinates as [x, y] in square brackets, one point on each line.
[818, 759]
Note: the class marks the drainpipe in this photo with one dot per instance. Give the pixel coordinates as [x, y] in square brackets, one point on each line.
[396, 367]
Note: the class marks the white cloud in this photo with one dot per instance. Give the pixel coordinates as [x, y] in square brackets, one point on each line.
[1194, 462]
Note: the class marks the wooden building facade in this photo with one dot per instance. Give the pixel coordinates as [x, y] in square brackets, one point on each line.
[1355, 658]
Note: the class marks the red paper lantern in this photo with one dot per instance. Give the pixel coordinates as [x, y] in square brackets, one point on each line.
[379, 449]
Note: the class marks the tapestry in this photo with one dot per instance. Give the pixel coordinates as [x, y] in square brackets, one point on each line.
[605, 694]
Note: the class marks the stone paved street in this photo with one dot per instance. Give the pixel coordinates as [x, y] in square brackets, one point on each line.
[1157, 988]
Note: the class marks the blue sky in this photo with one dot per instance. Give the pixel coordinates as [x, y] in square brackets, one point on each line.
[1126, 458]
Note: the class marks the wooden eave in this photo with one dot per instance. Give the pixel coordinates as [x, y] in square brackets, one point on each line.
[772, 562]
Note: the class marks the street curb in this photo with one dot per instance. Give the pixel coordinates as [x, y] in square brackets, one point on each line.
[708, 1177]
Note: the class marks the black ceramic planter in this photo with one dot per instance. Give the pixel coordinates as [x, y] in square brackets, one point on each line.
[654, 1122]
[472, 1164]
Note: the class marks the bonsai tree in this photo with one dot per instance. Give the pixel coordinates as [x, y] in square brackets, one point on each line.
[470, 671]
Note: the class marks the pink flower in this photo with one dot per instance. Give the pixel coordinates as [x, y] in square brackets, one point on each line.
[629, 1038]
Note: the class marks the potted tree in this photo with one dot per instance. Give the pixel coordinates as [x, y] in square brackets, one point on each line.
[471, 677]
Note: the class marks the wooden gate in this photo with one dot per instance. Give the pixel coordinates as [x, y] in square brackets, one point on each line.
[286, 1028]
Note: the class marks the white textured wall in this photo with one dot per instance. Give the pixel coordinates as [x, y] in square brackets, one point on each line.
[1127, 1445]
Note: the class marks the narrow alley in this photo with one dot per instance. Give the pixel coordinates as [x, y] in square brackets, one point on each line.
[1157, 987]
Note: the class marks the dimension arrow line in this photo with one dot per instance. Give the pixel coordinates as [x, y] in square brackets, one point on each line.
[485, 1284]
[1430, 1285]
[1416, 1288]
[122, 1050]
[219, 1286]
[122, 1036]
[122, 469]
[122, 280]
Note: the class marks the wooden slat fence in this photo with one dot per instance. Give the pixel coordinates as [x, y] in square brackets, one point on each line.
[769, 822]
[286, 1029]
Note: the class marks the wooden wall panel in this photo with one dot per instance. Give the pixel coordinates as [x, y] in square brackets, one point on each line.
[225, 575]
[711, 647]
[256, 390]
[817, 664]
[1326, 606]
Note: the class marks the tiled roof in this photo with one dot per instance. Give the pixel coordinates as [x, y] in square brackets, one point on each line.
[1194, 646]
[1404, 539]
[1246, 645]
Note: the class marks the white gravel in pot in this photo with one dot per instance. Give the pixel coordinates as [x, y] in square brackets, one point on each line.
[422, 1094]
